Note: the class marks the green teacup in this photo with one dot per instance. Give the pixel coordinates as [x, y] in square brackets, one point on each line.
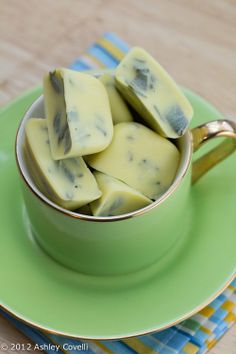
[129, 242]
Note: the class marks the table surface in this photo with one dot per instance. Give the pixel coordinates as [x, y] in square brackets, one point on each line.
[194, 40]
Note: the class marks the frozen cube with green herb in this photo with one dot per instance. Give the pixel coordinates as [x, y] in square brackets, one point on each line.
[117, 197]
[119, 108]
[146, 85]
[67, 182]
[78, 114]
[139, 157]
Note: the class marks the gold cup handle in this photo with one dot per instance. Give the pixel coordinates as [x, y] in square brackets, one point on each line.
[206, 132]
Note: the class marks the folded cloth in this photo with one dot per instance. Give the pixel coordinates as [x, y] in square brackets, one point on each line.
[105, 53]
[192, 336]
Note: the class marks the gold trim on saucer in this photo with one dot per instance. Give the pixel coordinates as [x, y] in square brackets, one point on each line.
[64, 334]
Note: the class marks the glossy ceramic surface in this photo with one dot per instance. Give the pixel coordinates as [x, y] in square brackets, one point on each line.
[114, 245]
[47, 295]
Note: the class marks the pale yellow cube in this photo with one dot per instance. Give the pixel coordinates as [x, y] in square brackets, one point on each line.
[117, 197]
[78, 114]
[139, 157]
[68, 182]
[146, 85]
[119, 109]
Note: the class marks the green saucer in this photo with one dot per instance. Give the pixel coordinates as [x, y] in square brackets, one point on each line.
[43, 293]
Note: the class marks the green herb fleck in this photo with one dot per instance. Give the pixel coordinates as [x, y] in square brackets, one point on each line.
[99, 125]
[69, 195]
[62, 133]
[83, 136]
[67, 142]
[130, 137]
[56, 82]
[57, 122]
[177, 120]
[156, 109]
[44, 128]
[101, 129]
[66, 171]
[71, 82]
[136, 90]
[141, 61]
[143, 79]
[65, 137]
[72, 115]
[130, 156]
[112, 209]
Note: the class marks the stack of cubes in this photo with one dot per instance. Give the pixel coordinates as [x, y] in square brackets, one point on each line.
[103, 148]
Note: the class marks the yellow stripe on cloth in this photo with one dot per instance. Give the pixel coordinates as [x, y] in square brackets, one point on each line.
[211, 343]
[207, 311]
[55, 343]
[228, 306]
[205, 330]
[114, 51]
[231, 317]
[190, 348]
[231, 287]
[138, 346]
[103, 347]
[95, 60]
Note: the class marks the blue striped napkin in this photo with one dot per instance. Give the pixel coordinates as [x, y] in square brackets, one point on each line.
[194, 335]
